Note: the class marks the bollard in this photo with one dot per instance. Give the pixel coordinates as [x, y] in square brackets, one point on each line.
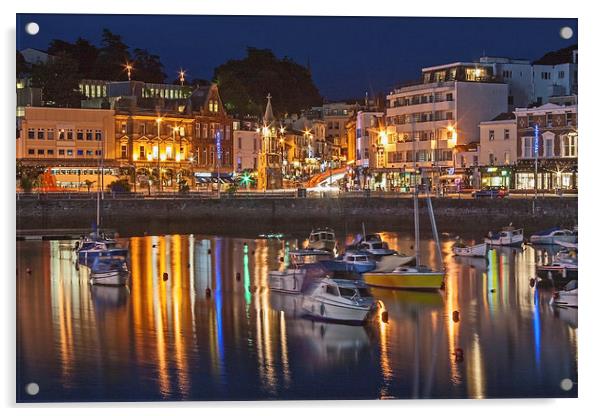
[165, 277]
[456, 316]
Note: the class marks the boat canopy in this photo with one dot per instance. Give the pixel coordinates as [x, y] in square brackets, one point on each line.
[547, 231]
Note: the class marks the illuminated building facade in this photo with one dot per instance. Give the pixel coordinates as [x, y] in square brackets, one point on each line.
[269, 174]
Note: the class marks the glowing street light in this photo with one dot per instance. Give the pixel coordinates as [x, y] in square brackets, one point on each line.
[181, 74]
[128, 67]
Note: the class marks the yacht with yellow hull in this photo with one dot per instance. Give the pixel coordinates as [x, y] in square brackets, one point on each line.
[419, 278]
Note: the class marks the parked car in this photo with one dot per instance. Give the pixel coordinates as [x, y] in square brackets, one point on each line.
[491, 192]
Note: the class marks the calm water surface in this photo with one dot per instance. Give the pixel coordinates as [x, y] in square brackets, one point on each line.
[166, 340]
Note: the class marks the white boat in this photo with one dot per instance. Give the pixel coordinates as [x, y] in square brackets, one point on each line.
[110, 270]
[567, 297]
[290, 280]
[351, 261]
[322, 239]
[389, 263]
[464, 250]
[554, 236]
[573, 246]
[376, 248]
[338, 300]
[507, 236]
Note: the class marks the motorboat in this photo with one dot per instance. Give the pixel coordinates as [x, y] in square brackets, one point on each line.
[567, 297]
[376, 248]
[407, 277]
[290, 280]
[92, 247]
[322, 239]
[507, 236]
[464, 250]
[554, 236]
[109, 270]
[339, 300]
[354, 261]
[572, 246]
[563, 268]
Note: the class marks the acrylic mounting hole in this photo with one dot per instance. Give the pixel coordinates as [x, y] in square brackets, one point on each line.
[566, 384]
[32, 28]
[32, 389]
[566, 32]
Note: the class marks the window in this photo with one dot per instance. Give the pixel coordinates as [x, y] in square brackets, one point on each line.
[569, 145]
[89, 153]
[62, 134]
[40, 151]
[123, 127]
[98, 152]
[40, 134]
[449, 97]
[545, 75]
[507, 74]
[80, 134]
[124, 151]
[491, 135]
[570, 119]
[506, 158]
[142, 152]
[549, 119]
[88, 134]
[239, 142]
[69, 152]
[61, 152]
[204, 130]
[168, 152]
[548, 149]
[449, 115]
[510, 100]
[80, 152]
[506, 134]
[98, 135]
[69, 134]
[31, 134]
[491, 159]
[50, 134]
[560, 74]
[197, 130]
[50, 152]
[31, 152]
[332, 290]
[527, 147]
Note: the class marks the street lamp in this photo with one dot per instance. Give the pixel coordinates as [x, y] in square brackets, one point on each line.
[159, 120]
[128, 67]
[181, 75]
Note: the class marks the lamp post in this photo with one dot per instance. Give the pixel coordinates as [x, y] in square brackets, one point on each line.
[536, 150]
[159, 120]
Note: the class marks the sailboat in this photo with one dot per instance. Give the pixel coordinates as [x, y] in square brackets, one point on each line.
[96, 244]
[413, 277]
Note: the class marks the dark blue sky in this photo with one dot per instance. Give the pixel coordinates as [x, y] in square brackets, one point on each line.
[348, 55]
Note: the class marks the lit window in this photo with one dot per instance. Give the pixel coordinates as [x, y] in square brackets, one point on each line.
[31, 151]
[40, 134]
[31, 134]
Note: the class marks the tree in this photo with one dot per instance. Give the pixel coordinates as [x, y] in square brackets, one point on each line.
[245, 83]
[112, 56]
[82, 51]
[148, 67]
[59, 80]
[120, 186]
[88, 183]
[28, 176]
[23, 67]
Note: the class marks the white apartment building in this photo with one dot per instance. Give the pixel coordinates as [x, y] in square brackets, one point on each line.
[498, 141]
[368, 126]
[246, 150]
[518, 74]
[427, 120]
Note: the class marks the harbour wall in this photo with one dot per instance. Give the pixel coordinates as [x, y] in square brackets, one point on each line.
[262, 215]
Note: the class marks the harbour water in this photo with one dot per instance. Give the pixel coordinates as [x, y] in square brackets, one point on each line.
[213, 331]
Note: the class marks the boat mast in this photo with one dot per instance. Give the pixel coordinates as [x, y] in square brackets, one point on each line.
[434, 228]
[416, 216]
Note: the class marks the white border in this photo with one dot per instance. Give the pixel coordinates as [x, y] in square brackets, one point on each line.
[589, 208]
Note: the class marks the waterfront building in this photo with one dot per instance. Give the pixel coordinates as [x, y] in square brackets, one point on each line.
[269, 173]
[71, 143]
[555, 74]
[335, 116]
[497, 151]
[547, 148]
[246, 150]
[426, 120]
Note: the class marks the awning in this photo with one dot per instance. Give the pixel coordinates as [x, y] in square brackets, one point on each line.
[201, 179]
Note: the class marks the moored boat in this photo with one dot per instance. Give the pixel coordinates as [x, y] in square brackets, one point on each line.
[339, 300]
[291, 279]
[567, 297]
[93, 247]
[109, 270]
[351, 261]
[553, 236]
[416, 278]
[322, 239]
[464, 250]
[507, 236]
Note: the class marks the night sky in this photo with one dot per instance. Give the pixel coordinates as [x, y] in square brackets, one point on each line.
[348, 55]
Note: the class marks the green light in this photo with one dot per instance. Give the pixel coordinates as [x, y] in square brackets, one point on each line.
[246, 179]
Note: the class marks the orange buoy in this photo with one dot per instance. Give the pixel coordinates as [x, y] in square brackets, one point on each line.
[165, 277]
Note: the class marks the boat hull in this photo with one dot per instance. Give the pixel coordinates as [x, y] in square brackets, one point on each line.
[567, 299]
[86, 257]
[551, 240]
[416, 281]
[505, 241]
[322, 245]
[479, 250]
[324, 309]
[110, 278]
[342, 266]
[288, 281]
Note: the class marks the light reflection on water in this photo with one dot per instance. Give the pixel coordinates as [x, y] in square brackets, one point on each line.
[212, 329]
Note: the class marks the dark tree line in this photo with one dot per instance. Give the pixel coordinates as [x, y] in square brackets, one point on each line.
[245, 83]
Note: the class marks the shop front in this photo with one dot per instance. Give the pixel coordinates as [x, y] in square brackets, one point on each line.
[552, 175]
[497, 176]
